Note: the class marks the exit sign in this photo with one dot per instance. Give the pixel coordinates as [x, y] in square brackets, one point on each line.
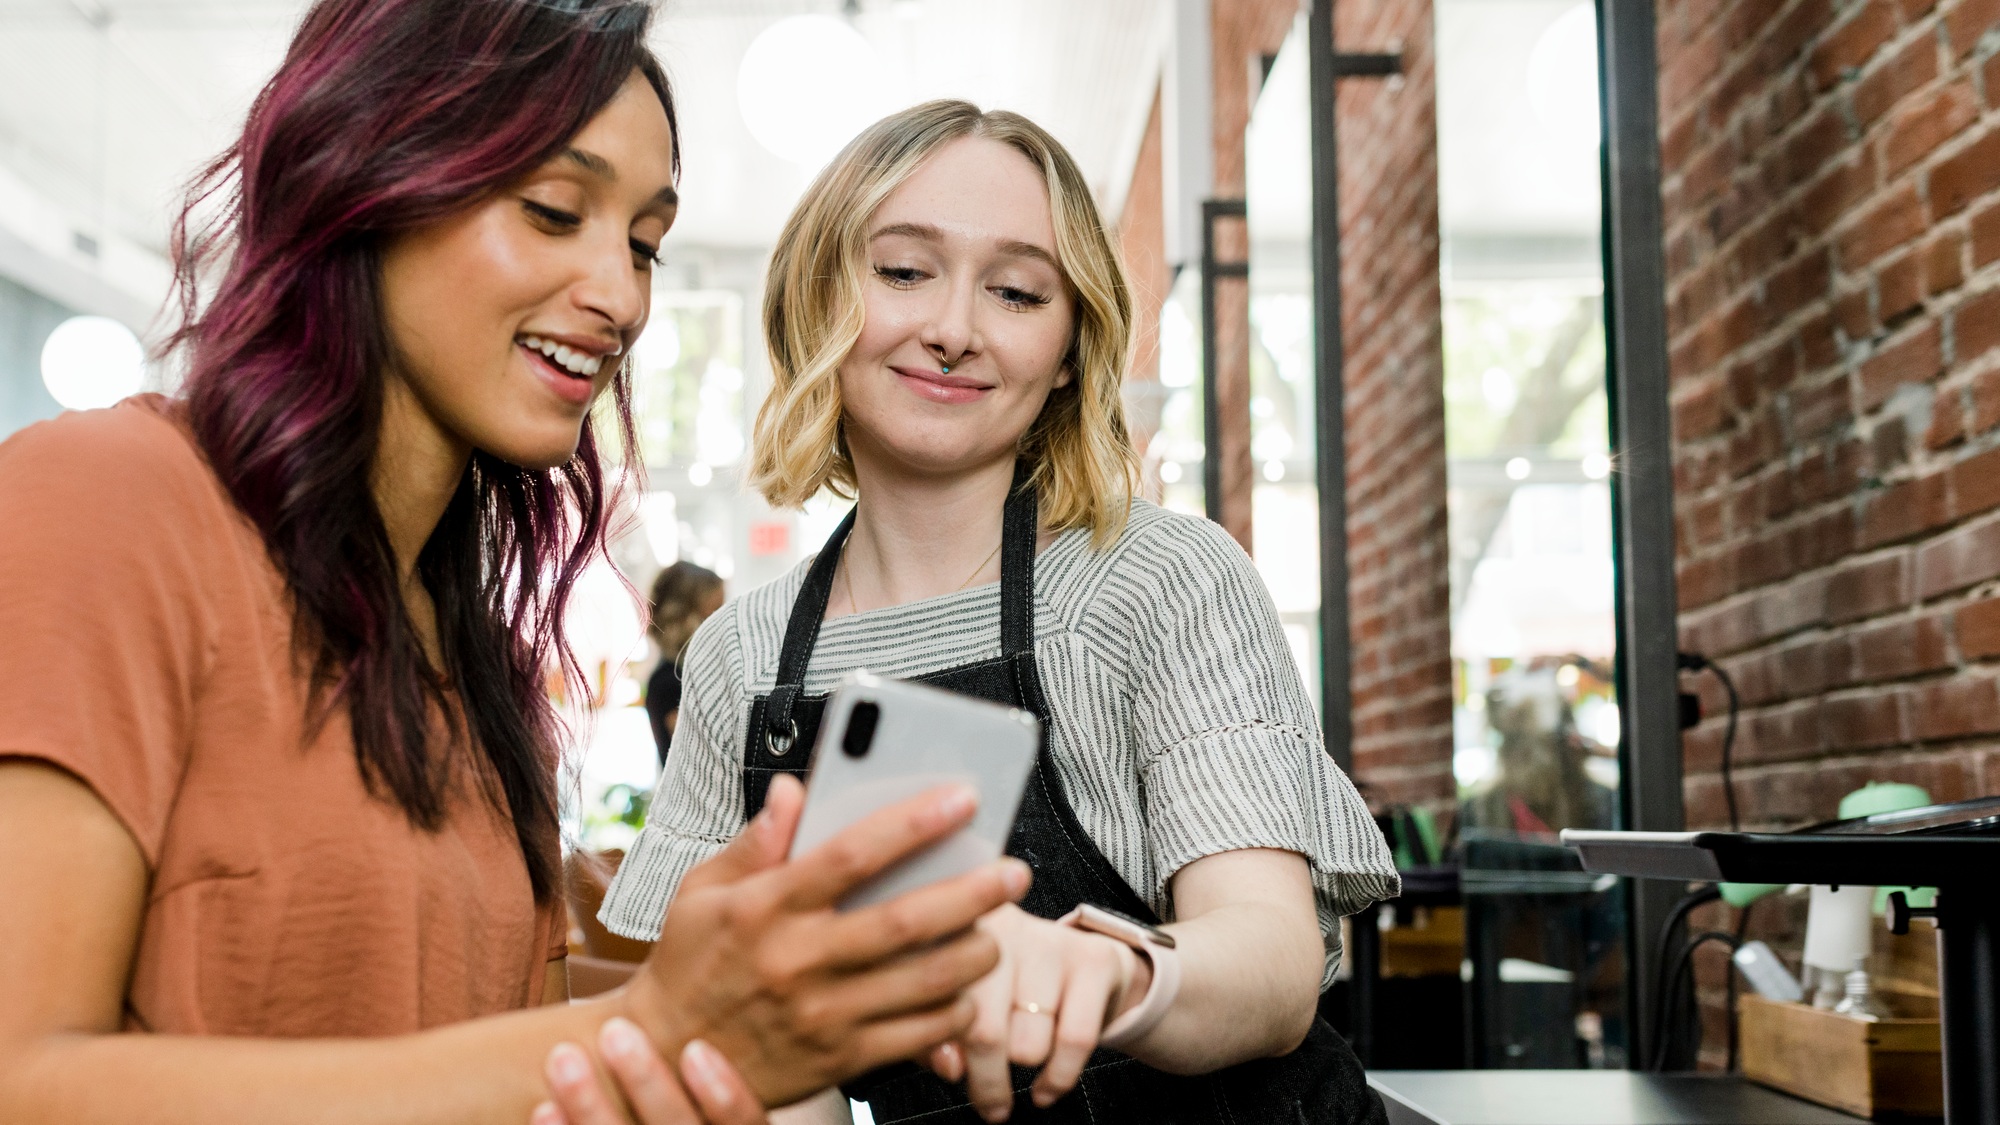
[770, 538]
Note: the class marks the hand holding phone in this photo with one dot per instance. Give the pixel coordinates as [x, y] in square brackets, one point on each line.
[882, 741]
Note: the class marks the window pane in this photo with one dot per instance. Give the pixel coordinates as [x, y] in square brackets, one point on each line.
[1535, 716]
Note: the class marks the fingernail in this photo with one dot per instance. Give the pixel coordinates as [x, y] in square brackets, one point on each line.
[545, 1114]
[568, 1064]
[703, 1066]
[957, 803]
[622, 1038]
[1044, 1099]
[1016, 877]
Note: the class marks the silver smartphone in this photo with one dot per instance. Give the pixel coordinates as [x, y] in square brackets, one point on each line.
[881, 741]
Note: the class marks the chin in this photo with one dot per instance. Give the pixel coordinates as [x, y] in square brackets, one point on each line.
[543, 461]
[549, 452]
[956, 453]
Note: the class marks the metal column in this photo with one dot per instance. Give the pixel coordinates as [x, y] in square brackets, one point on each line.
[1212, 272]
[1642, 496]
[1336, 685]
[1969, 975]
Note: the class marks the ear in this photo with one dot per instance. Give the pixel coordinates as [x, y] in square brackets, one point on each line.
[1065, 375]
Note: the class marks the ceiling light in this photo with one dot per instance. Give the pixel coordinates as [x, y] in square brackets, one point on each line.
[92, 361]
[1518, 468]
[806, 86]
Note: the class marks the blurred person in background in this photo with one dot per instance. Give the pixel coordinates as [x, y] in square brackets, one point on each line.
[684, 596]
[1539, 785]
[949, 327]
[277, 758]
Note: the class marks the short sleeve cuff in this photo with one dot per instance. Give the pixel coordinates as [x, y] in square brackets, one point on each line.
[140, 816]
[1268, 785]
[636, 902]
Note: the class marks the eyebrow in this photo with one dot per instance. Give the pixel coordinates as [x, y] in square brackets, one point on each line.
[1011, 246]
[602, 169]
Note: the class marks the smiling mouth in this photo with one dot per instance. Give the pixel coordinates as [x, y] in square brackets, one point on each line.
[580, 365]
[939, 378]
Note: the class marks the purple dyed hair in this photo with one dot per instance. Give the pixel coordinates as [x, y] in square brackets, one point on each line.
[387, 115]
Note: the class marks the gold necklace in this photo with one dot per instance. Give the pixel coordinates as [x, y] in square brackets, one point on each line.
[847, 575]
[981, 568]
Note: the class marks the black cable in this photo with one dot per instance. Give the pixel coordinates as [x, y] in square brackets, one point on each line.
[1729, 747]
[1696, 662]
[1683, 972]
[1662, 997]
[1731, 988]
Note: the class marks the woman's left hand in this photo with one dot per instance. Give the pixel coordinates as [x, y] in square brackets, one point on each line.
[707, 1091]
[1044, 1005]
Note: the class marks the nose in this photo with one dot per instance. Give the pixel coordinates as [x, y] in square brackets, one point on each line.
[612, 288]
[950, 330]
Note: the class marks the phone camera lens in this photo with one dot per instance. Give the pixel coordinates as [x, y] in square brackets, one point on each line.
[860, 732]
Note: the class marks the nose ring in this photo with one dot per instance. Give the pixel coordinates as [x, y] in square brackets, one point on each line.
[947, 368]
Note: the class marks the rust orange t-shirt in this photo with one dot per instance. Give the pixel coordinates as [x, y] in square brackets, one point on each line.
[146, 647]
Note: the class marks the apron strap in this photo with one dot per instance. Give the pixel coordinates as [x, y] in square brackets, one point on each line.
[1019, 526]
[801, 634]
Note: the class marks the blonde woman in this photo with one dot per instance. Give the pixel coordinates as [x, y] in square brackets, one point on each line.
[948, 326]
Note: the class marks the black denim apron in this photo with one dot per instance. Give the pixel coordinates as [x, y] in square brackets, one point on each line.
[1319, 1084]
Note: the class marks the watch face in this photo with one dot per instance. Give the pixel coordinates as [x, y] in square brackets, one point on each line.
[1153, 933]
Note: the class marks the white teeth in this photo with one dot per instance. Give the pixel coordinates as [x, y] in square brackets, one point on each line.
[575, 362]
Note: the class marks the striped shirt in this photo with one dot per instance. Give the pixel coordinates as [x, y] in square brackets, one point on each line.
[1178, 722]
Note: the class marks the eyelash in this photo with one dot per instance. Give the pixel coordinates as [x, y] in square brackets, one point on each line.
[551, 215]
[566, 221]
[1022, 298]
[1025, 299]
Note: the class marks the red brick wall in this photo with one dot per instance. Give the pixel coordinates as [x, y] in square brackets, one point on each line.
[1832, 201]
[1142, 243]
[1397, 546]
[1241, 32]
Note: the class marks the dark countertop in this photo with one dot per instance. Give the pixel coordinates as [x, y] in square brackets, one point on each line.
[1588, 1097]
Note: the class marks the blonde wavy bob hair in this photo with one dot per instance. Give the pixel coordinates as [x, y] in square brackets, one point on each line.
[1080, 456]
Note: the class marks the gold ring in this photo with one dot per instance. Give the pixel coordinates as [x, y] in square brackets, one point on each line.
[1030, 1007]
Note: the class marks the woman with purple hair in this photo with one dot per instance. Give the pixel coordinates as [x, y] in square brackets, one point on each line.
[277, 767]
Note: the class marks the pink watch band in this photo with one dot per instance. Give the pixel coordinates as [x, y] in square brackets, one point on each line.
[1164, 987]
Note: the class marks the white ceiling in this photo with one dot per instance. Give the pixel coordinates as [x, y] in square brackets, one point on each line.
[1084, 69]
[107, 107]
[1504, 163]
[1518, 185]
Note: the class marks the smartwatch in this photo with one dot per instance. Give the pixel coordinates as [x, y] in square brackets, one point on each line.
[1157, 947]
